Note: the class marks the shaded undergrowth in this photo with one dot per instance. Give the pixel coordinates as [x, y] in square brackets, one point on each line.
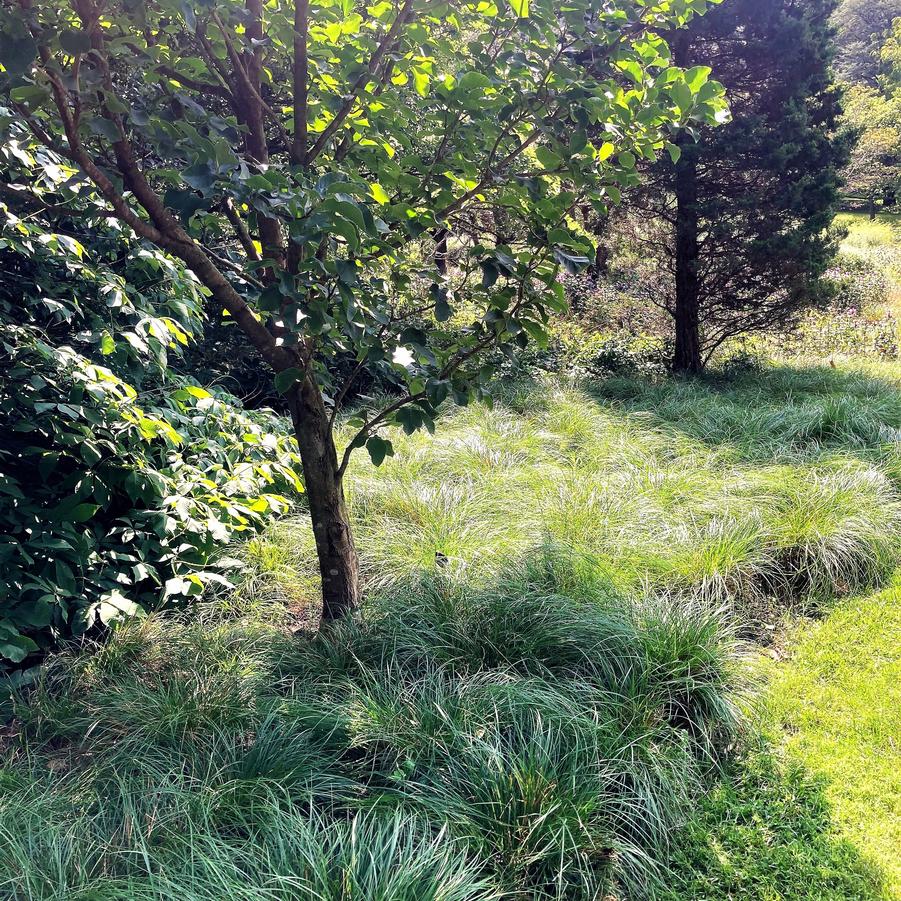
[524, 740]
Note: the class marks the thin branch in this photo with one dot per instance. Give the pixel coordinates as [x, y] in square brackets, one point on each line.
[240, 229]
[402, 18]
[301, 75]
[490, 171]
[371, 424]
[248, 85]
[202, 87]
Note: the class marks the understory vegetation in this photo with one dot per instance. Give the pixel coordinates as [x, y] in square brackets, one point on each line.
[546, 673]
[530, 736]
[450, 451]
[623, 638]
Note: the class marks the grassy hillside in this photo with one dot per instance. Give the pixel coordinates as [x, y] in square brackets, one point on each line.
[556, 691]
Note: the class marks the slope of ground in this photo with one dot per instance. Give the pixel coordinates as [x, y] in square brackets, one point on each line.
[546, 677]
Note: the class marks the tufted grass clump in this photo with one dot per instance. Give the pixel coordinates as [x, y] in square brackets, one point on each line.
[523, 738]
[543, 676]
[779, 489]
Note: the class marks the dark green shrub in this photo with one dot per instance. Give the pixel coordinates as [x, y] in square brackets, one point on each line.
[119, 480]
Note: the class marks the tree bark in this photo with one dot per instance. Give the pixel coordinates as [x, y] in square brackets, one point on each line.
[338, 560]
[687, 353]
[687, 313]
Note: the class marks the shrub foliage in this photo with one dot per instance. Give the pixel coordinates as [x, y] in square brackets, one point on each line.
[119, 480]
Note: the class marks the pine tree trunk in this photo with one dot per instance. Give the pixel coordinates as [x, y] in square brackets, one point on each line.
[338, 561]
[687, 354]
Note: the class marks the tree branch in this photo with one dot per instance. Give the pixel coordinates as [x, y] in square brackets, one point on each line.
[202, 87]
[402, 18]
[301, 74]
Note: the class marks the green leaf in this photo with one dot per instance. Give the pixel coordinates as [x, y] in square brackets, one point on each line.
[32, 95]
[378, 193]
[75, 42]
[105, 128]
[675, 152]
[185, 203]
[199, 176]
[443, 311]
[605, 151]
[473, 81]
[17, 648]
[490, 273]
[379, 448]
[548, 158]
[115, 606]
[287, 379]
[572, 263]
[697, 77]
[82, 512]
[520, 7]
[18, 49]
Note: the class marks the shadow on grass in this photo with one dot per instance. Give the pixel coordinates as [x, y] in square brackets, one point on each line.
[764, 832]
[770, 414]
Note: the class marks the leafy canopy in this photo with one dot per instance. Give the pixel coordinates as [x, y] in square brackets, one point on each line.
[401, 180]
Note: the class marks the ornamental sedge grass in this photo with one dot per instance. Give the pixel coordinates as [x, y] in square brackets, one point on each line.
[543, 676]
[455, 742]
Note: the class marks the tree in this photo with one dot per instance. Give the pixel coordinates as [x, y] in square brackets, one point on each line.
[745, 209]
[874, 170]
[398, 178]
[861, 29]
[890, 60]
[874, 112]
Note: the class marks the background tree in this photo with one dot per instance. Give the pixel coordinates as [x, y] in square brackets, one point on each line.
[740, 214]
[869, 64]
[330, 173]
[861, 30]
[874, 170]
[890, 59]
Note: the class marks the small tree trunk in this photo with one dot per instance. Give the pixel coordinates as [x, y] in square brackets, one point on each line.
[687, 354]
[338, 561]
[872, 206]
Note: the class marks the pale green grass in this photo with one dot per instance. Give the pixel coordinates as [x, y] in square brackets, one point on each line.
[771, 491]
[775, 488]
[839, 699]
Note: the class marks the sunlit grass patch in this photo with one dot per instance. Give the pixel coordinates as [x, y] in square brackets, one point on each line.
[839, 697]
[740, 493]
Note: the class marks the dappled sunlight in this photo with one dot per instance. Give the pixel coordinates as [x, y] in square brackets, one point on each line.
[650, 496]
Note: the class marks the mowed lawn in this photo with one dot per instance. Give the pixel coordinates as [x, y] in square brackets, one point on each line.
[838, 701]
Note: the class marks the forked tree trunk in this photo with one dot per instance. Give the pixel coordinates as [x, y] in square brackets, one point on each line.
[338, 561]
[687, 354]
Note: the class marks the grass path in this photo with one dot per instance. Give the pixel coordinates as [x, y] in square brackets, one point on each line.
[838, 699]
[812, 810]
